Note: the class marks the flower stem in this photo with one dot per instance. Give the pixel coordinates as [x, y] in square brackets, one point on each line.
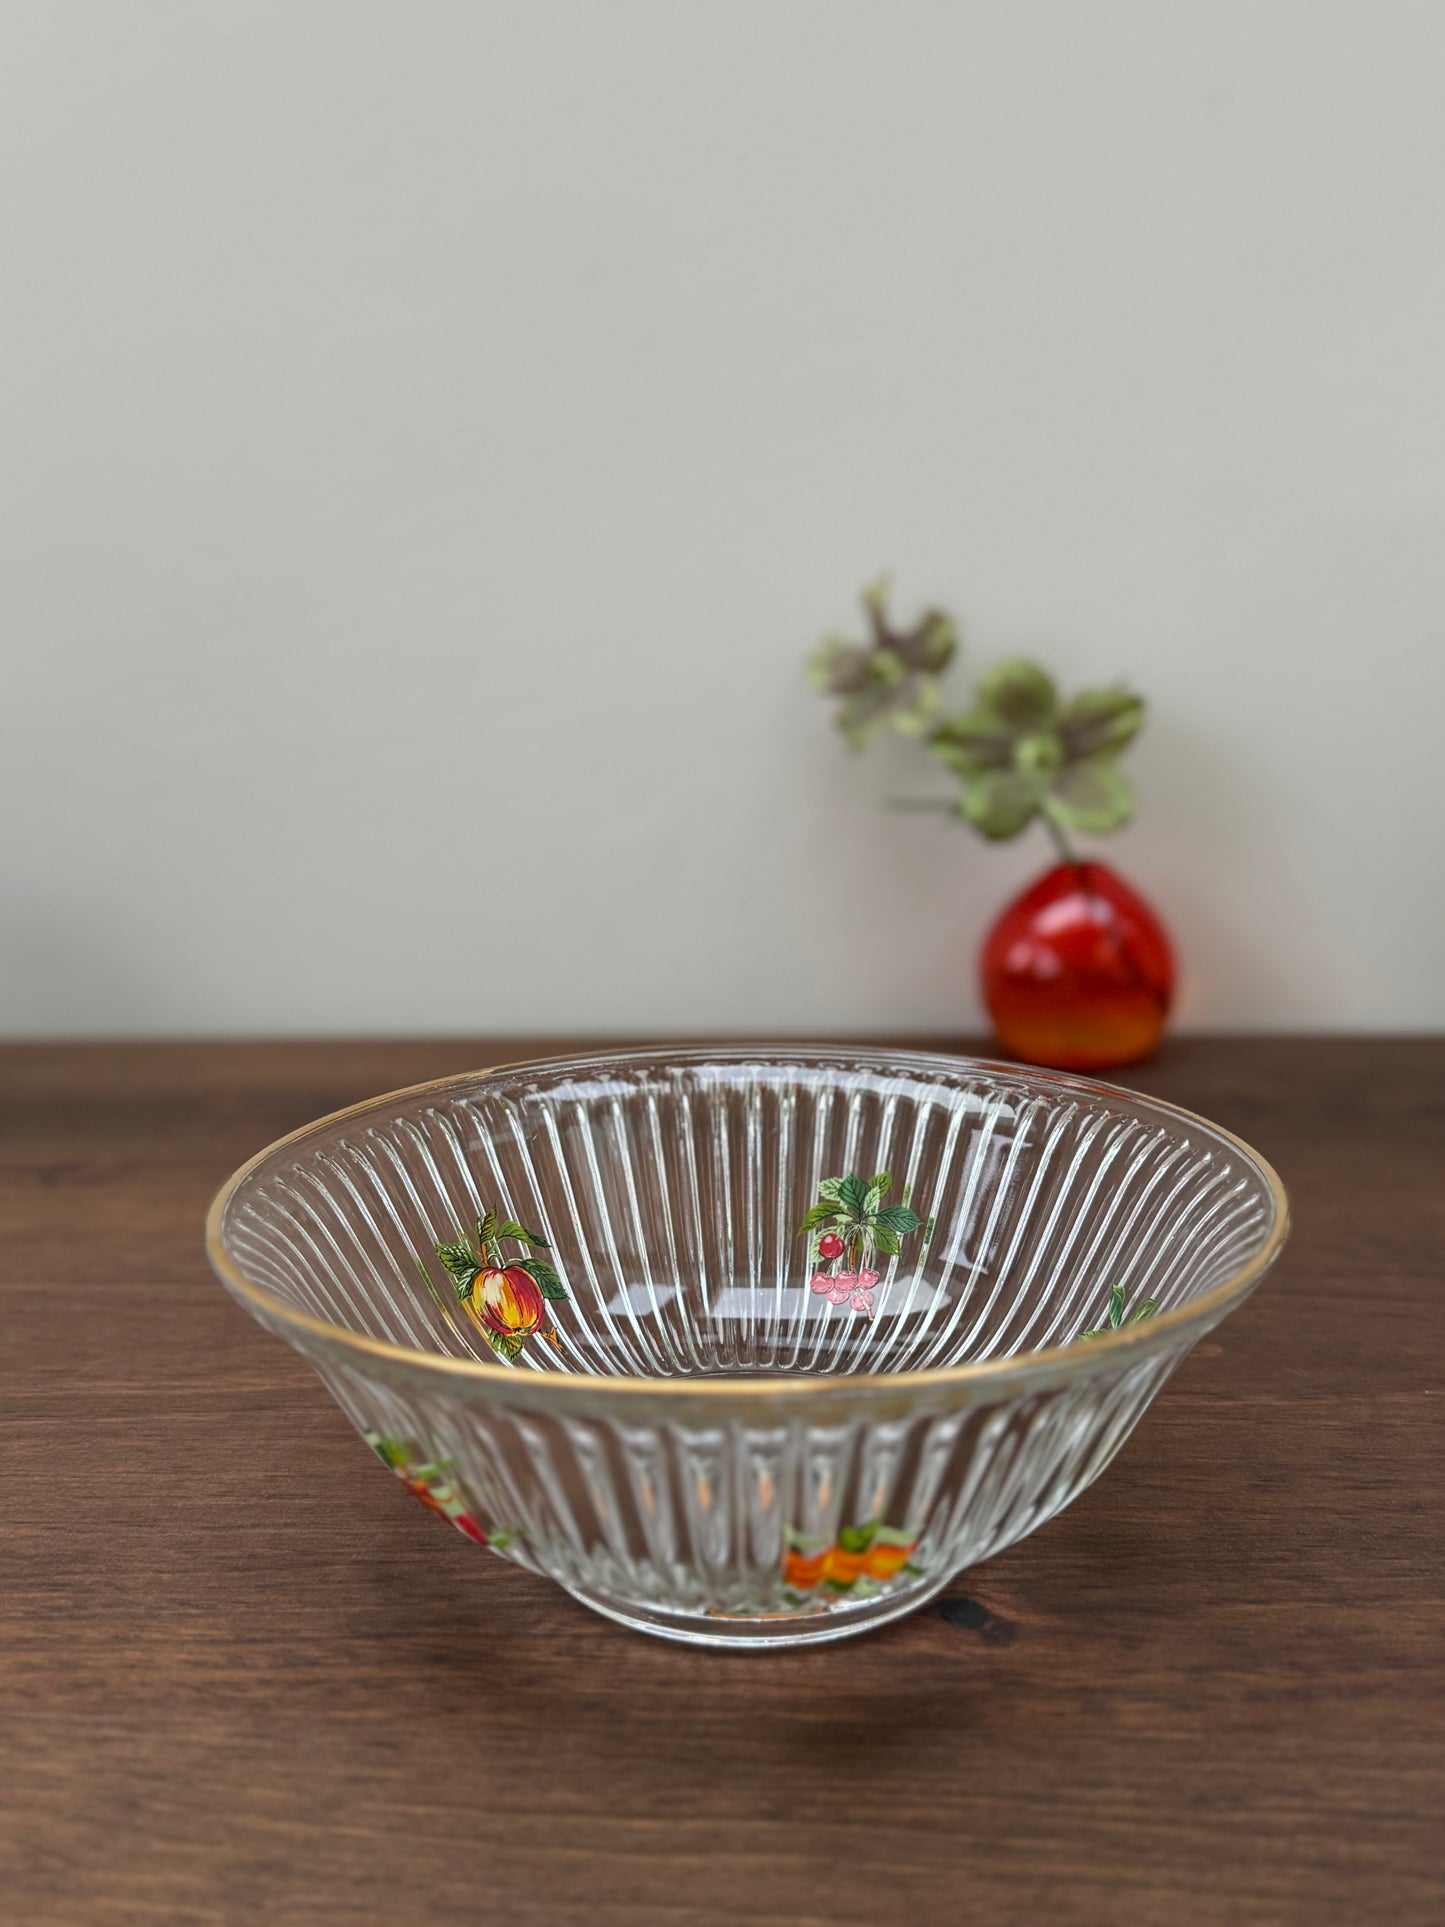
[1062, 844]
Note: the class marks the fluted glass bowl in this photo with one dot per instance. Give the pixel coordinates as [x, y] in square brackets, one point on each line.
[755, 1346]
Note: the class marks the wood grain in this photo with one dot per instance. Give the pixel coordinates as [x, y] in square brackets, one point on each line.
[244, 1677]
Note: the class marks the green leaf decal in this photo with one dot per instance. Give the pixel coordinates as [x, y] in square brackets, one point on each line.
[857, 1538]
[538, 1269]
[819, 1215]
[887, 1241]
[899, 1219]
[1146, 1308]
[853, 1196]
[461, 1261]
[882, 1183]
[505, 1344]
[829, 1188]
[486, 1229]
[511, 1229]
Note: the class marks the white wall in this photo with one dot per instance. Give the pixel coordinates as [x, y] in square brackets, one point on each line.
[434, 433]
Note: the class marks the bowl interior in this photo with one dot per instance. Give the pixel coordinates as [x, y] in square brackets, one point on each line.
[788, 1210]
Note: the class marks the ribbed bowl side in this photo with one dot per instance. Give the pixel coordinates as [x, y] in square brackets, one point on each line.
[712, 1518]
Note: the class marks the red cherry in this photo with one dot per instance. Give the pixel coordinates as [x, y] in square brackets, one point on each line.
[830, 1245]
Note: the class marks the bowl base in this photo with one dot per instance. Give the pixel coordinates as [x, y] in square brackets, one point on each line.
[742, 1632]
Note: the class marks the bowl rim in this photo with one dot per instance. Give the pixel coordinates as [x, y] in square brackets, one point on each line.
[1071, 1358]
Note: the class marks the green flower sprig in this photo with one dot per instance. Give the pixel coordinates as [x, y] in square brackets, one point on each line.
[1018, 753]
[892, 679]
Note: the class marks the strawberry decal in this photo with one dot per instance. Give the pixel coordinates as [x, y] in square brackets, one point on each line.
[505, 1298]
[846, 1227]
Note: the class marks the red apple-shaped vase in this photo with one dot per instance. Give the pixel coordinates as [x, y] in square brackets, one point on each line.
[1078, 972]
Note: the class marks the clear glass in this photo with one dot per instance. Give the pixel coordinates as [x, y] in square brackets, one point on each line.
[757, 1346]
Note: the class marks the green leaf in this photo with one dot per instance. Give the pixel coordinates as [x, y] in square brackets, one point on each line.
[1000, 803]
[829, 1188]
[899, 1219]
[930, 644]
[1020, 694]
[461, 1261]
[1116, 1306]
[511, 1229]
[1146, 1310]
[857, 1538]
[819, 1215]
[892, 696]
[1100, 721]
[486, 1229]
[505, 1344]
[839, 668]
[973, 742]
[852, 1195]
[885, 670]
[886, 1240]
[1092, 796]
[881, 1183]
[542, 1272]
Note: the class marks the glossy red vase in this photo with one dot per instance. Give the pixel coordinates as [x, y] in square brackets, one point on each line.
[1078, 972]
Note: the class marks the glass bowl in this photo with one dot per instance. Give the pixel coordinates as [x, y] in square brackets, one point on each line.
[753, 1346]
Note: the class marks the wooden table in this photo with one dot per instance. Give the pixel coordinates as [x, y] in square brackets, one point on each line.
[243, 1676]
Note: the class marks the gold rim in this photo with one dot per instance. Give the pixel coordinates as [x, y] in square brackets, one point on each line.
[567, 1384]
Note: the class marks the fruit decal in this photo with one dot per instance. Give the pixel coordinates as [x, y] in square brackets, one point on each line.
[1115, 1315]
[861, 1562]
[432, 1483]
[848, 1224]
[506, 1299]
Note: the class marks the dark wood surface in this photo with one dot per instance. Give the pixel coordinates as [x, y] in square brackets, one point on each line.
[243, 1676]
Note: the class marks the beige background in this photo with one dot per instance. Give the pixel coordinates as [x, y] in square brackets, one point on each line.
[433, 434]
